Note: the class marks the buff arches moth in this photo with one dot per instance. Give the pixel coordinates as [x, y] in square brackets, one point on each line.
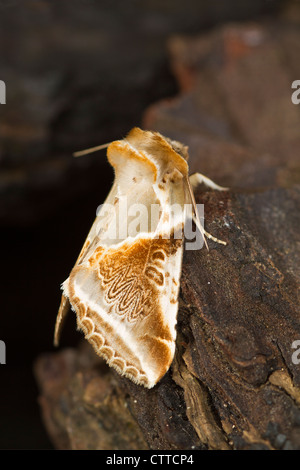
[124, 286]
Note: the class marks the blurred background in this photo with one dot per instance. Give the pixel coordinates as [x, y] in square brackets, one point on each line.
[77, 74]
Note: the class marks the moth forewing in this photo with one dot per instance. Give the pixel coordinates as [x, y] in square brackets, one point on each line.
[96, 228]
[124, 288]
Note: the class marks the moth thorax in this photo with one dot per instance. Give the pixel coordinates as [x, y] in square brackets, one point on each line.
[172, 175]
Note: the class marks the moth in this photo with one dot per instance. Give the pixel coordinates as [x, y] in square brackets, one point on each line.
[124, 289]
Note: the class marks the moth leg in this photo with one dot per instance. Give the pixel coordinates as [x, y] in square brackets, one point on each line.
[198, 178]
[60, 319]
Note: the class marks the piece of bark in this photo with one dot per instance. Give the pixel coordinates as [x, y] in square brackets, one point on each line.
[235, 111]
[233, 383]
[82, 405]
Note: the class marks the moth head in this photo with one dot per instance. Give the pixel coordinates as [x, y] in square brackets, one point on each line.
[168, 156]
[150, 154]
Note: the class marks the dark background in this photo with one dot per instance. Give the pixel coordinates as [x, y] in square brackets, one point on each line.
[78, 73]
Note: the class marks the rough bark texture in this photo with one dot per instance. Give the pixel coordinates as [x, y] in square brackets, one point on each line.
[233, 383]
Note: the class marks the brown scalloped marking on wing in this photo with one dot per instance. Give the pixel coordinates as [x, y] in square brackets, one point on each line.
[132, 293]
[132, 275]
[95, 333]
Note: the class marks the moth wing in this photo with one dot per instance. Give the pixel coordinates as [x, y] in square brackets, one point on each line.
[126, 305]
[125, 292]
[96, 229]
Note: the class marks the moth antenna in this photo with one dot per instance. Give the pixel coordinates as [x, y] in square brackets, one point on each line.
[90, 150]
[208, 235]
[61, 316]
